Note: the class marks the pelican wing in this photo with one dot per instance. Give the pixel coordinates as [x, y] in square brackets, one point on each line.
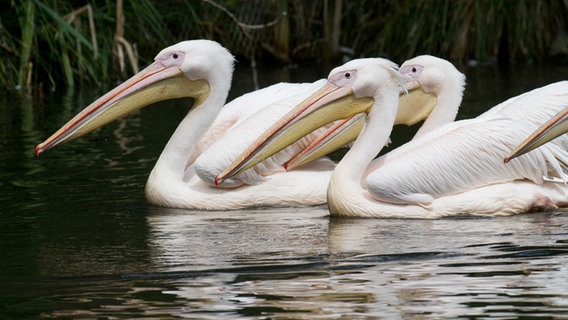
[531, 106]
[247, 128]
[241, 108]
[557, 126]
[469, 154]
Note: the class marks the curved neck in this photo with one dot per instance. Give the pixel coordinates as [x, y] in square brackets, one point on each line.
[446, 109]
[373, 137]
[182, 144]
[346, 191]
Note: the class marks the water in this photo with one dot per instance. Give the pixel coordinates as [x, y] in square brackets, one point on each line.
[77, 239]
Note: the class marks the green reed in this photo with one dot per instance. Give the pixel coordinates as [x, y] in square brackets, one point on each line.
[56, 44]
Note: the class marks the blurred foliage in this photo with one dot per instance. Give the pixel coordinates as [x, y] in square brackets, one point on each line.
[55, 44]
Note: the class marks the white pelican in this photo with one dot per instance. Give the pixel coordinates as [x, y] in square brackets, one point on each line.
[555, 127]
[203, 70]
[455, 169]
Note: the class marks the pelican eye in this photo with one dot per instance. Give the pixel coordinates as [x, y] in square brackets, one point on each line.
[343, 78]
[414, 69]
[175, 56]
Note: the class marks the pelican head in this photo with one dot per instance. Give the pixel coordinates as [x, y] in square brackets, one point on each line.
[432, 75]
[351, 89]
[183, 70]
[431, 83]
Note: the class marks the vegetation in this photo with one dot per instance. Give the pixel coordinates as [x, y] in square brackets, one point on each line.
[57, 44]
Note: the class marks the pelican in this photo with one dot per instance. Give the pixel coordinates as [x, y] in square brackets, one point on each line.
[454, 169]
[203, 69]
[555, 127]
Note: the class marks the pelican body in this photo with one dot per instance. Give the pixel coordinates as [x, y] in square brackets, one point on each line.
[453, 169]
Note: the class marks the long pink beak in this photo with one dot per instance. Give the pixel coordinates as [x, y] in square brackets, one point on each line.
[154, 83]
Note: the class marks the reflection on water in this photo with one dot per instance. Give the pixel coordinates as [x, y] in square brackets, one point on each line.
[296, 263]
[78, 241]
[289, 264]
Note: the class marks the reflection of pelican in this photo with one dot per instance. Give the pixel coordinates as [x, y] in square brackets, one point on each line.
[203, 70]
[555, 127]
[182, 240]
[454, 169]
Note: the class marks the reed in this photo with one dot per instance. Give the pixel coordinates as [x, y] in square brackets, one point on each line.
[27, 14]
[510, 31]
[57, 44]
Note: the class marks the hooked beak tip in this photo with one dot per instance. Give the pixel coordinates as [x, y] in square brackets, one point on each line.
[38, 150]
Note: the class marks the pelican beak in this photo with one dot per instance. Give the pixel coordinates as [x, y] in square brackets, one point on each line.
[155, 83]
[328, 104]
[414, 106]
[337, 136]
[557, 126]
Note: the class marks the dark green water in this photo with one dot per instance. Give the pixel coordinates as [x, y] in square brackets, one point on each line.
[77, 239]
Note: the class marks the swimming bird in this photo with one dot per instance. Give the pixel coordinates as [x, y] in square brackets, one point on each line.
[454, 169]
[200, 69]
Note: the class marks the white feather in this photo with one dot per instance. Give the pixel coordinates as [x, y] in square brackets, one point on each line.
[219, 155]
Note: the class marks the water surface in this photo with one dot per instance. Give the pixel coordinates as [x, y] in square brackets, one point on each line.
[77, 239]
